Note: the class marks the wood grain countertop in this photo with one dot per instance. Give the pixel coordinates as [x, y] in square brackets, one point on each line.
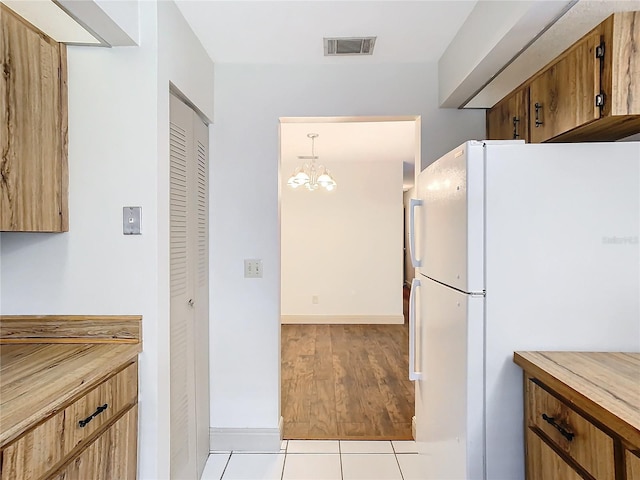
[605, 385]
[70, 328]
[37, 380]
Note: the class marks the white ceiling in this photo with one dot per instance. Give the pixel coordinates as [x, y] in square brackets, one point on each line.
[417, 31]
[352, 141]
[581, 18]
[291, 32]
[284, 32]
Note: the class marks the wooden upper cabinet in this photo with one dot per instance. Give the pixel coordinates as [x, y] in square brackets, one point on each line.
[33, 124]
[581, 96]
[509, 118]
[632, 464]
[621, 74]
[563, 96]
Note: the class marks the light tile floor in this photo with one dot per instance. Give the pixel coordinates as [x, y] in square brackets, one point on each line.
[319, 460]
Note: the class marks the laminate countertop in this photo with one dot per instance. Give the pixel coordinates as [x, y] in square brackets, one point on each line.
[606, 385]
[37, 380]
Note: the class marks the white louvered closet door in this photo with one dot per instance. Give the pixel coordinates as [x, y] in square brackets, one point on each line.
[201, 237]
[189, 350]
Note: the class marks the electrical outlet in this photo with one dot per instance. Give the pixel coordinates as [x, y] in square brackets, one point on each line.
[315, 299]
[131, 220]
[252, 268]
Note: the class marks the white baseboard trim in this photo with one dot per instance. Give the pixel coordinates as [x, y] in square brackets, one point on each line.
[342, 319]
[413, 427]
[246, 439]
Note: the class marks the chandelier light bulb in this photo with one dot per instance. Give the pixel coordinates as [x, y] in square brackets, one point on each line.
[312, 175]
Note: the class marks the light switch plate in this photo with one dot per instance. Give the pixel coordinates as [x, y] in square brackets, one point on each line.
[131, 220]
[252, 268]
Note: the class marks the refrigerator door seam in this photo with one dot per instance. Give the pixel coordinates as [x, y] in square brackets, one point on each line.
[472, 294]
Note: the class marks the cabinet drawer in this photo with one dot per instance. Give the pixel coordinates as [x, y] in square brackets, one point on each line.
[90, 412]
[36, 452]
[112, 456]
[571, 433]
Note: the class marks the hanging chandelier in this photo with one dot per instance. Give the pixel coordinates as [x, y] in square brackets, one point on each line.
[312, 175]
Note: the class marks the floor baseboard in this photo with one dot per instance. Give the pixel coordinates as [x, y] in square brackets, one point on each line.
[413, 427]
[342, 319]
[246, 439]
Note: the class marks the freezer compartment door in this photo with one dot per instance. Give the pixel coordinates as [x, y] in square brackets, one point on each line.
[450, 394]
[451, 236]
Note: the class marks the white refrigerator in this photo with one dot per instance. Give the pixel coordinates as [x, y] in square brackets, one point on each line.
[517, 247]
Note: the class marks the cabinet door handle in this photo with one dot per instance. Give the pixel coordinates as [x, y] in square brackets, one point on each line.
[538, 107]
[516, 120]
[99, 410]
[552, 421]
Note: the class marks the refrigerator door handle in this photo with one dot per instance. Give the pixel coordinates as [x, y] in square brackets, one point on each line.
[414, 202]
[413, 375]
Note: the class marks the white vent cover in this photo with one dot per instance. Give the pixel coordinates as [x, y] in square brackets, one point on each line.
[348, 46]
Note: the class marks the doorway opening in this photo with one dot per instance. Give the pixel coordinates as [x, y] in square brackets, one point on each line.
[344, 334]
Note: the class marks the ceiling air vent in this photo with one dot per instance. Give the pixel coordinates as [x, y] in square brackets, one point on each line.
[348, 46]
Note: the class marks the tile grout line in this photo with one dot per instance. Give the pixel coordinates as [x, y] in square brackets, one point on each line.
[395, 454]
[226, 465]
[399, 466]
[284, 462]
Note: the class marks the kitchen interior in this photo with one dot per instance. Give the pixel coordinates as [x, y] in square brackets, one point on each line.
[524, 328]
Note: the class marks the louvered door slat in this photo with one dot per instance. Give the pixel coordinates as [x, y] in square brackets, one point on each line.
[178, 209]
[202, 206]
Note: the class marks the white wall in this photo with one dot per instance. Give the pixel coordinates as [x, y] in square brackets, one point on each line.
[344, 246]
[249, 99]
[118, 155]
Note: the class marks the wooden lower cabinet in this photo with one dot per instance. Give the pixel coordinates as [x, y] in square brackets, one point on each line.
[92, 438]
[545, 464]
[580, 415]
[112, 456]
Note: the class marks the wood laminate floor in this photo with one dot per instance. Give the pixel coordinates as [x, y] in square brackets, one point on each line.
[346, 382]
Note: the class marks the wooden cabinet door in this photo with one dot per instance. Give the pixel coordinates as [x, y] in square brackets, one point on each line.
[509, 119]
[632, 465]
[112, 456]
[545, 464]
[36, 453]
[563, 96]
[33, 120]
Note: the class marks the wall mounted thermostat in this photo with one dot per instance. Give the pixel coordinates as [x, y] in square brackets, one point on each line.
[131, 219]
